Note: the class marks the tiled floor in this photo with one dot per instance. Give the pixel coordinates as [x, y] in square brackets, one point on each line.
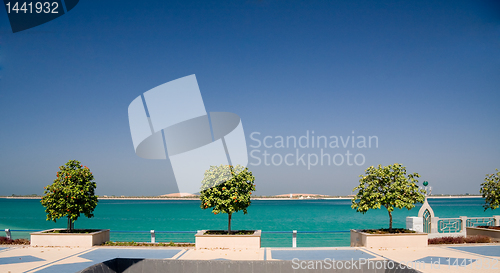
[19, 259]
[493, 251]
[54, 259]
[446, 261]
[99, 255]
[320, 254]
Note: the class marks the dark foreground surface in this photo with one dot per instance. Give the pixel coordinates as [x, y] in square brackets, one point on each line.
[121, 265]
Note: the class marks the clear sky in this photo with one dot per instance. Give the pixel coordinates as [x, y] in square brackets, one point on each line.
[421, 76]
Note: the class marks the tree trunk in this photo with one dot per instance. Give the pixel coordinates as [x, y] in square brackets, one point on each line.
[229, 224]
[70, 225]
[390, 221]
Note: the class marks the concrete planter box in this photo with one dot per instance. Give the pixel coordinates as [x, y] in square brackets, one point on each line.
[363, 239]
[494, 234]
[69, 239]
[227, 241]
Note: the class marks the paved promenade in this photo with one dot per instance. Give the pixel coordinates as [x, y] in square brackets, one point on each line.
[456, 258]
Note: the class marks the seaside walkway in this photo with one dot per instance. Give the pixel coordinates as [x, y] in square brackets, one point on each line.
[449, 258]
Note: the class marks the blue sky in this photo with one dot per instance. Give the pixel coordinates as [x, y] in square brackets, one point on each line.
[422, 76]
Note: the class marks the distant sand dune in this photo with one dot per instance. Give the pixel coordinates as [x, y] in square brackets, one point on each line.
[179, 194]
[300, 194]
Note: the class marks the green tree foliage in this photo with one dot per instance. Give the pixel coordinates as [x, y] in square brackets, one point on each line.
[227, 189]
[490, 190]
[71, 194]
[387, 186]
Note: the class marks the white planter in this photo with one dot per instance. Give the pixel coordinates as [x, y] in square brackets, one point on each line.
[69, 239]
[211, 241]
[362, 239]
[492, 233]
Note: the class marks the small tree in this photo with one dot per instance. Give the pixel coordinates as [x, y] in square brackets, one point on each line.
[227, 189]
[387, 186]
[490, 190]
[71, 194]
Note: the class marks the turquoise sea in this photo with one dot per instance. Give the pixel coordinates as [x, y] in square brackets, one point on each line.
[266, 215]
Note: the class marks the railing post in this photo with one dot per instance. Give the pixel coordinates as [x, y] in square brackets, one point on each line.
[7, 233]
[294, 239]
[434, 225]
[497, 220]
[464, 223]
[153, 239]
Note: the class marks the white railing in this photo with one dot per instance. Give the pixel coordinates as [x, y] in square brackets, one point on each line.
[453, 225]
[449, 225]
[184, 235]
[480, 221]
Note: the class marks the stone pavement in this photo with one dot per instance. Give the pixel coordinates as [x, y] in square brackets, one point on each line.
[456, 258]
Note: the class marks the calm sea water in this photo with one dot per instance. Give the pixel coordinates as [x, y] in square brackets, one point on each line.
[274, 215]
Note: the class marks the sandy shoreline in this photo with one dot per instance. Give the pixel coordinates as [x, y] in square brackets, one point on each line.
[255, 198]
